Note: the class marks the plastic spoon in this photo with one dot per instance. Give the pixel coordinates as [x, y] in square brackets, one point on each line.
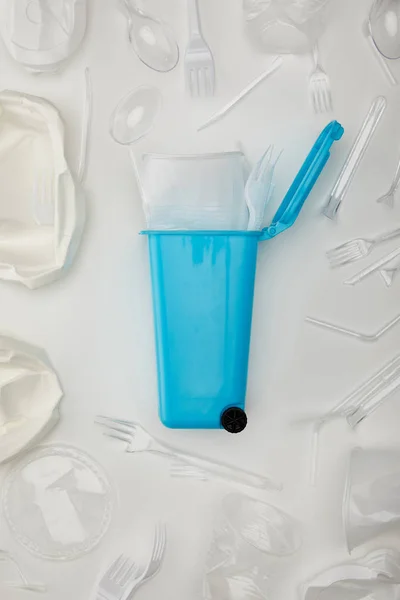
[151, 39]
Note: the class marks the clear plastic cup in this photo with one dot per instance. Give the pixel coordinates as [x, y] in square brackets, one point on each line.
[371, 504]
[194, 192]
[284, 26]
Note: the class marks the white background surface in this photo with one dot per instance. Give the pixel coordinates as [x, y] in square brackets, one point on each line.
[96, 324]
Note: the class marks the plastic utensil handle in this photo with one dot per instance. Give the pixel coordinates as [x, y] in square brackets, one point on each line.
[390, 235]
[356, 398]
[372, 404]
[396, 179]
[354, 158]
[276, 64]
[132, 7]
[228, 472]
[194, 17]
[380, 59]
[217, 468]
[315, 52]
[372, 268]
[38, 588]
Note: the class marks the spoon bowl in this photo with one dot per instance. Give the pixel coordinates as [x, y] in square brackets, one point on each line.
[151, 39]
[384, 25]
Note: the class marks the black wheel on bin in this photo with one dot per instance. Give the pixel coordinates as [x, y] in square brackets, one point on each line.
[234, 419]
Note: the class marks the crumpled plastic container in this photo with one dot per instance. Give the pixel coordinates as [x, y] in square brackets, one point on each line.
[41, 207]
[284, 26]
[374, 577]
[248, 534]
[30, 394]
[371, 504]
[42, 34]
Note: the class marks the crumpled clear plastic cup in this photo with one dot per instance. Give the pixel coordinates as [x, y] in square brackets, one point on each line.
[41, 35]
[371, 504]
[284, 26]
[263, 526]
[374, 577]
[247, 532]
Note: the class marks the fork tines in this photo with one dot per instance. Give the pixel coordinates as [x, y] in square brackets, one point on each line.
[345, 253]
[321, 94]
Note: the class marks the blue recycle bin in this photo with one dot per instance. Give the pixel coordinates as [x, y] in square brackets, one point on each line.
[203, 287]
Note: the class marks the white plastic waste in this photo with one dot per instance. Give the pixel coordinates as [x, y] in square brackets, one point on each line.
[284, 26]
[374, 577]
[41, 208]
[261, 525]
[30, 394]
[200, 191]
[21, 582]
[58, 502]
[135, 114]
[371, 504]
[247, 533]
[42, 34]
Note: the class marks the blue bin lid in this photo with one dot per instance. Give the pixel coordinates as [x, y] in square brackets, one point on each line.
[304, 182]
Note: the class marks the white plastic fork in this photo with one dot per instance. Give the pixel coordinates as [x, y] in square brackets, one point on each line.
[259, 188]
[358, 248]
[319, 86]
[43, 198]
[139, 440]
[156, 559]
[118, 581]
[199, 61]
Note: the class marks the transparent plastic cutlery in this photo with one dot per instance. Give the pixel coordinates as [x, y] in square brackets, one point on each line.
[199, 60]
[383, 63]
[388, 198]
[358, 248]
[151, 39]
[360, 404]
[275, 65]
[376, 266]
[259, 188]
[354, 158]
[370, 395]
[389, 274]
[351, 332]
[139, 440]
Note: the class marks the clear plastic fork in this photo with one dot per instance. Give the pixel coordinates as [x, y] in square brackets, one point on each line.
[199, 61]
[118, 581]
[156, 559]
[259, 188]
[319, 86]
[139, 440]
[358, 248]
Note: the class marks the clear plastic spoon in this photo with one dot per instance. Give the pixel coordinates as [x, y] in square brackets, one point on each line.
[135, 114]
[151, 39]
